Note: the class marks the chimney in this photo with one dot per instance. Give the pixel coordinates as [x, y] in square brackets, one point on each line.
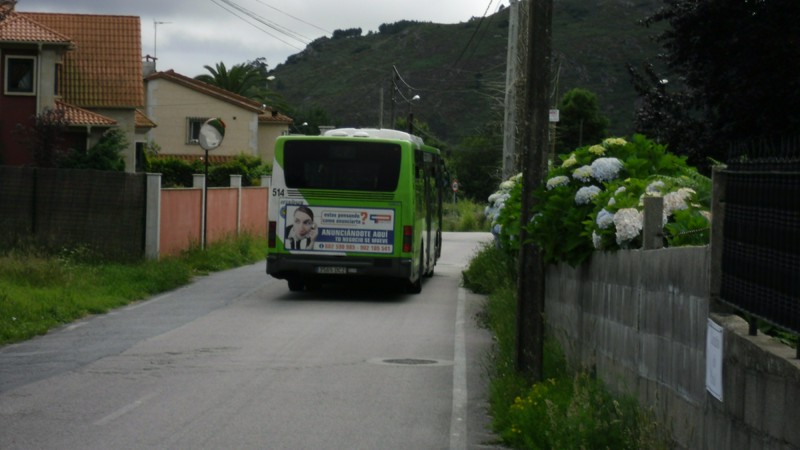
[6, 6]
[148, 66]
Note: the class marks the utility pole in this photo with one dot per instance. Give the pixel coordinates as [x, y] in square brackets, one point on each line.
[516, 61]
[530, 285]
[380, 109]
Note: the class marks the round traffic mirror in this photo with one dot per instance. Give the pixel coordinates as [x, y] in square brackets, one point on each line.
[211, 133]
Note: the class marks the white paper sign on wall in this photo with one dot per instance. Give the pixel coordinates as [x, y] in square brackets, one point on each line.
[714, 359]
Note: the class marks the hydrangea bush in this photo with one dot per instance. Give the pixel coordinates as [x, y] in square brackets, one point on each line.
[593, 199]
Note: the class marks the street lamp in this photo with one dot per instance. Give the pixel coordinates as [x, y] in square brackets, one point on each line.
[415, 98]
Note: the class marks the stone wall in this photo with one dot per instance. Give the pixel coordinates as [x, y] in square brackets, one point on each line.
[639, 318]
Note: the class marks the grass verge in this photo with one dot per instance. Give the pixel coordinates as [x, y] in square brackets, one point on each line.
[39, 291]
[465, 215]
[570, 409]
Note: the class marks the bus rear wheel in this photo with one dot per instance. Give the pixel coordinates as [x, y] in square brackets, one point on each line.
[416, 286]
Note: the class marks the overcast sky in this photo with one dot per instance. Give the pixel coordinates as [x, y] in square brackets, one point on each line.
[195, 33]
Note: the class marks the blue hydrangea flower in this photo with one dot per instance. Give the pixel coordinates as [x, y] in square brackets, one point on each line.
[586, 194]
[606, 169]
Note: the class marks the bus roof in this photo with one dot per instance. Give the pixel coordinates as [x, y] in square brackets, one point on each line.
[378, 133]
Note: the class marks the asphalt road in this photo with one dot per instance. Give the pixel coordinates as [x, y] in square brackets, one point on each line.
[237, 361]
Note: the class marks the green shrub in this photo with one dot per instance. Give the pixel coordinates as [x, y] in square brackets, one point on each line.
[465, 215]
[489, 270]
[249, 167]
[570, 409]
[176, 172]
[593, 200]
[105, 155]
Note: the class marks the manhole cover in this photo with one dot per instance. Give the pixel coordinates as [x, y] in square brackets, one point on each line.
[410, 362]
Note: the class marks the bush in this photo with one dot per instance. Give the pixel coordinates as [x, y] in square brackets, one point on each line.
[465, 215]
[570, 409]
[489, 270]
[249, 167]
[593, 200]
[177, 172]
[105, 155]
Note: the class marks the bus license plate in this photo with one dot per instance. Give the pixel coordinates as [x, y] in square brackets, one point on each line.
[332, 270]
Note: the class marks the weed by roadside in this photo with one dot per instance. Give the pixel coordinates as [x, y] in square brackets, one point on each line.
[570, 409]
[465, 215]
[40, 291]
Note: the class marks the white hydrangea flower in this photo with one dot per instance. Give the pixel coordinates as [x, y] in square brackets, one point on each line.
[586, 194]
[620, 190]
[494, 197]
[675, 201]
[612, 201]
[569, 162]
[606, 169]
[583, 173]
[604, 219]
[614, 141]
[557, 181]
[598, 150]
[507, 185]
[628, 223]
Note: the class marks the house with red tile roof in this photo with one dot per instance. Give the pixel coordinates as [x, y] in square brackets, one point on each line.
[180, 105]
[87, 66]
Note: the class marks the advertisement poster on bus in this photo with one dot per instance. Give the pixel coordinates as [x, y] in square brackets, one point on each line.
[338, 229]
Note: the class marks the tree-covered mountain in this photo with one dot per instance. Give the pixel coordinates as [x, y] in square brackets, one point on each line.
[458, 70]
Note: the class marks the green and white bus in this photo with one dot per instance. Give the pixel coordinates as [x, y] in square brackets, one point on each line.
[355, 203]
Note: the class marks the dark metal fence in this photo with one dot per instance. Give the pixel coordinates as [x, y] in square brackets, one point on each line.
[760, 261]
[64, 209]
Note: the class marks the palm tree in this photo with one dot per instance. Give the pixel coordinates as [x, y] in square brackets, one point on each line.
[241, 79]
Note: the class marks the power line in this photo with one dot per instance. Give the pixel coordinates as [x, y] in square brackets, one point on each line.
[473, 34]
[255, 26]
[483, 33]
[295, 18]
[399, 77]
[230, 6]
[277, 27]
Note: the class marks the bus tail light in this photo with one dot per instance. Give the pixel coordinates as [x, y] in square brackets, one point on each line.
[408, 236]
[272, 231]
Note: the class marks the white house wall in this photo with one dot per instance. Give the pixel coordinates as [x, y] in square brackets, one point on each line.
[170, 104]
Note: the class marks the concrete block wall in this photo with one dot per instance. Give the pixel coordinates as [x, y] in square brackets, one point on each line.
[761, 391]
[639, 318]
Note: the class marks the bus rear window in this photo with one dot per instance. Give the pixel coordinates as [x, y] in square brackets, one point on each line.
[342, 165]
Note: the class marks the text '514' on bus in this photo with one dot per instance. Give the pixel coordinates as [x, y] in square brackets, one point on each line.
[355, 203]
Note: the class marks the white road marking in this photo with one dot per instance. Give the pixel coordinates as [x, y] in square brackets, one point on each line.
[124, 410]
[458, 421]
